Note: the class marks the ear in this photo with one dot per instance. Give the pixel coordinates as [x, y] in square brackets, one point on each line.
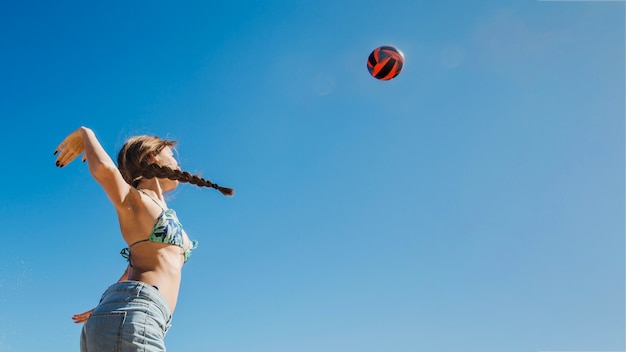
[152, 158]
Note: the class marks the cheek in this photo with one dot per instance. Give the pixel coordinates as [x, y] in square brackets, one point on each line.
[171, 162]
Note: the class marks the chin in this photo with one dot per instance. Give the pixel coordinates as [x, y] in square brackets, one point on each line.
[171, 185]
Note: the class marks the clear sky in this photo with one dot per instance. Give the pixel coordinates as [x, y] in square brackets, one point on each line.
[475, 203]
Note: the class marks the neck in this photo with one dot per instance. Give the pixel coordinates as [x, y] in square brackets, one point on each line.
[153, 187]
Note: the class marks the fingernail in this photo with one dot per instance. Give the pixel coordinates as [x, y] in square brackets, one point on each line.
[57, 163]
[55, 152]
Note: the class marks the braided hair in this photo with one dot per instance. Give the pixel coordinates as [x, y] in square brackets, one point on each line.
[134, 167]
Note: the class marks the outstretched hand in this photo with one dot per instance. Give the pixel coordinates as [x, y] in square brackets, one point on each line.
[82, 317]
[71, 147]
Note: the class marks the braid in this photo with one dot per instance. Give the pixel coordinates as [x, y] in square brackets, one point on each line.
[154, 170]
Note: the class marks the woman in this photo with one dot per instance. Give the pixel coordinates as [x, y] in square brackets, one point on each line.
[135, 313]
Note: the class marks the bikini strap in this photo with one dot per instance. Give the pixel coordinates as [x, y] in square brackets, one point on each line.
[125, 253]
[146, 240]
[154, 200]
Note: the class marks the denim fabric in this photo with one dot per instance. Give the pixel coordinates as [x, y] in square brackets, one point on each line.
[132, 316]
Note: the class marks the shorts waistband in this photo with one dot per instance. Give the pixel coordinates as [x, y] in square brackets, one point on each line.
[137, 289]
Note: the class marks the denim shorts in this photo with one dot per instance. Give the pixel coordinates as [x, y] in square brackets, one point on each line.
[131, 316]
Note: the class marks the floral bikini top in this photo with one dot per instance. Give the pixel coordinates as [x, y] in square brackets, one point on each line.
[167, 229]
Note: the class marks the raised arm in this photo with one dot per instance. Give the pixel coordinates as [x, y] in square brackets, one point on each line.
[102, 168]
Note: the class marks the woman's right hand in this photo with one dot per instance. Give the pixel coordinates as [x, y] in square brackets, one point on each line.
[71, 147]
[82, 317]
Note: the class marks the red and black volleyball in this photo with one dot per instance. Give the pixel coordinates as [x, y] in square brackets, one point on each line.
[385, 62]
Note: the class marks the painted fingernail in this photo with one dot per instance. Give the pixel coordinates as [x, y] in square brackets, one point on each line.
[57, 163]
[55, 152]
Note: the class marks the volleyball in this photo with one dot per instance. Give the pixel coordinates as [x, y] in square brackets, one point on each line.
[385, 62]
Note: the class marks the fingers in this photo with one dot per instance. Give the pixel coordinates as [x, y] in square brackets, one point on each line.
[79, 320]
[82, 317]
[61, 146]
[70, 148]
[61, 149]
[58, 149]
[67, 153]
[65, 157]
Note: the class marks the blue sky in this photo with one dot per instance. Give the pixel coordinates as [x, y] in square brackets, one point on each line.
[473, 203]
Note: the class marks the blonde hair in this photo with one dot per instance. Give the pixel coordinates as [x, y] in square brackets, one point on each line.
[132, 161]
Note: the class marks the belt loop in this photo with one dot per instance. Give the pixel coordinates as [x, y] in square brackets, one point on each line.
[138, 287]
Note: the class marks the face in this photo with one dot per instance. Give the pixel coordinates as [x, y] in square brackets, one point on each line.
[166, 158]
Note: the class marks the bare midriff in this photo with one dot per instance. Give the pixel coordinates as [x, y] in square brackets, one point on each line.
[159, 265]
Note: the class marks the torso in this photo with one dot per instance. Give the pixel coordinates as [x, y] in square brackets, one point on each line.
[157, 264]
